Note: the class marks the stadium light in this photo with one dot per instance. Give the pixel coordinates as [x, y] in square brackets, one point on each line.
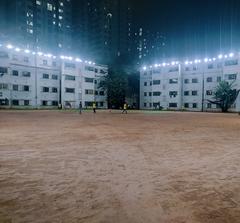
[173, 63]
[27, 51]
[144, 68]
[17, 49]
[231, 54]
[155, 65]
[9, 46]
[226, 56]
[206, 60]
[220, 56]
[62, 57]
[186, 62]
[164, 64]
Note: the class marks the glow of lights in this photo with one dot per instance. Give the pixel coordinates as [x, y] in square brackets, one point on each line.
[206, 60]
[214, 59]
[164, 64]
[17, 49]
[231, 54]
[33, 53]
[173, 63]
[70, 58]
[62, 57]
[220, 56]
[26, 51]
[78, 60]
[186, 62]
[225, 56]
[191, 62]
[195, 61]
[90, 62]
[40, 53]
[49, 55]
[9, 46]
[155, 65]
[144, 68]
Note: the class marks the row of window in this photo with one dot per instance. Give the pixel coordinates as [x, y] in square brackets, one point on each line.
[158, 82]
[48, 89]
[175, 93]
[91, 92]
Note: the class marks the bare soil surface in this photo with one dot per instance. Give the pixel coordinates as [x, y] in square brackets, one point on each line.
[167, 167]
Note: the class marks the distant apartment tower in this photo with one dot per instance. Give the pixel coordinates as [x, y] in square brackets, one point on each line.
[102, 29]
[37, 24]
[149, 45]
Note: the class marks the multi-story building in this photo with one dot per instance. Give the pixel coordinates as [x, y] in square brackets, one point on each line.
[188, 85]
[102, 29]
[37, 24]
[35, 79]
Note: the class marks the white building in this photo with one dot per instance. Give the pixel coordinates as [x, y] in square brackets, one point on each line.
[188, 85]
[35, 79]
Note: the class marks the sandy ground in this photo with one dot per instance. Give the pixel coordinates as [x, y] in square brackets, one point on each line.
[113, 168]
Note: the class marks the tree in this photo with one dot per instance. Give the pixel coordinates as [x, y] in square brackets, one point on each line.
[225, 95]
[115, 83]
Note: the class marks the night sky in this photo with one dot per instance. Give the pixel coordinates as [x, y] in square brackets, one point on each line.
[192, 27]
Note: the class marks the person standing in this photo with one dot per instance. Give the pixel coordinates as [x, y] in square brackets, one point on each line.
[80, 108]
[94, 107]
[124, 108]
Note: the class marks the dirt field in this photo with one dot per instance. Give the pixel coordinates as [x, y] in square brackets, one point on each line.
[62, 167]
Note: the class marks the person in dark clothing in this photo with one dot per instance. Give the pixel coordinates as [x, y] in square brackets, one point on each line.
[80, 108]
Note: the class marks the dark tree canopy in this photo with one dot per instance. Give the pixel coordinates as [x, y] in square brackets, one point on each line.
[225, 95]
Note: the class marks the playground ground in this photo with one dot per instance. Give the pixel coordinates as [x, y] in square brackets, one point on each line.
[143, 167]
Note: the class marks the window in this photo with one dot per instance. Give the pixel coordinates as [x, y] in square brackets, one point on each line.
[101, 71]
[186, 105]
[88, 80]
[70, 90]
[186, 93]
[15, 73]
[150, 83]
[231, 62]
[219, 79]
[173, 94]
[187, 68]
[49, 7]
[150, 94]
[96, 92]
[54, 63]
[210, 66]
[15, 102]
[232, 76]
[3, 70]
[26, 88]
[209, 105]
[173, 69]
[95, 82]
[88, 68]
[3, 54]
[194, 105]
[208, 92]
[101, 104]
[209, 79]
[45, 76]
[194, 68]
[96, 70]
[172, 105]
[54, 103]
[194, 80]
[26, 74]
[88, 103]
[44, 103]
[145, 105]
[70, 78]
[54, 77]
[101, 93]
[26, 102]
[145, 94]
[194, 93]
[3, 86]
[156, 93]
[15, 87]
[26, 59]
[145, 83]
[45, 89]
[54, 90]
[173, 81]
[156, 71]
[45, 62]
[70, 65]
[156, 82]
[186, 81]
[87, 91]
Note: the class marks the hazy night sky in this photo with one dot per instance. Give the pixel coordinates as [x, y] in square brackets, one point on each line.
[192, 27]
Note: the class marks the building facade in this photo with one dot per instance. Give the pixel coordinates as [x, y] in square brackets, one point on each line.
[37, 24]
[188, 85]
[34, 79]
